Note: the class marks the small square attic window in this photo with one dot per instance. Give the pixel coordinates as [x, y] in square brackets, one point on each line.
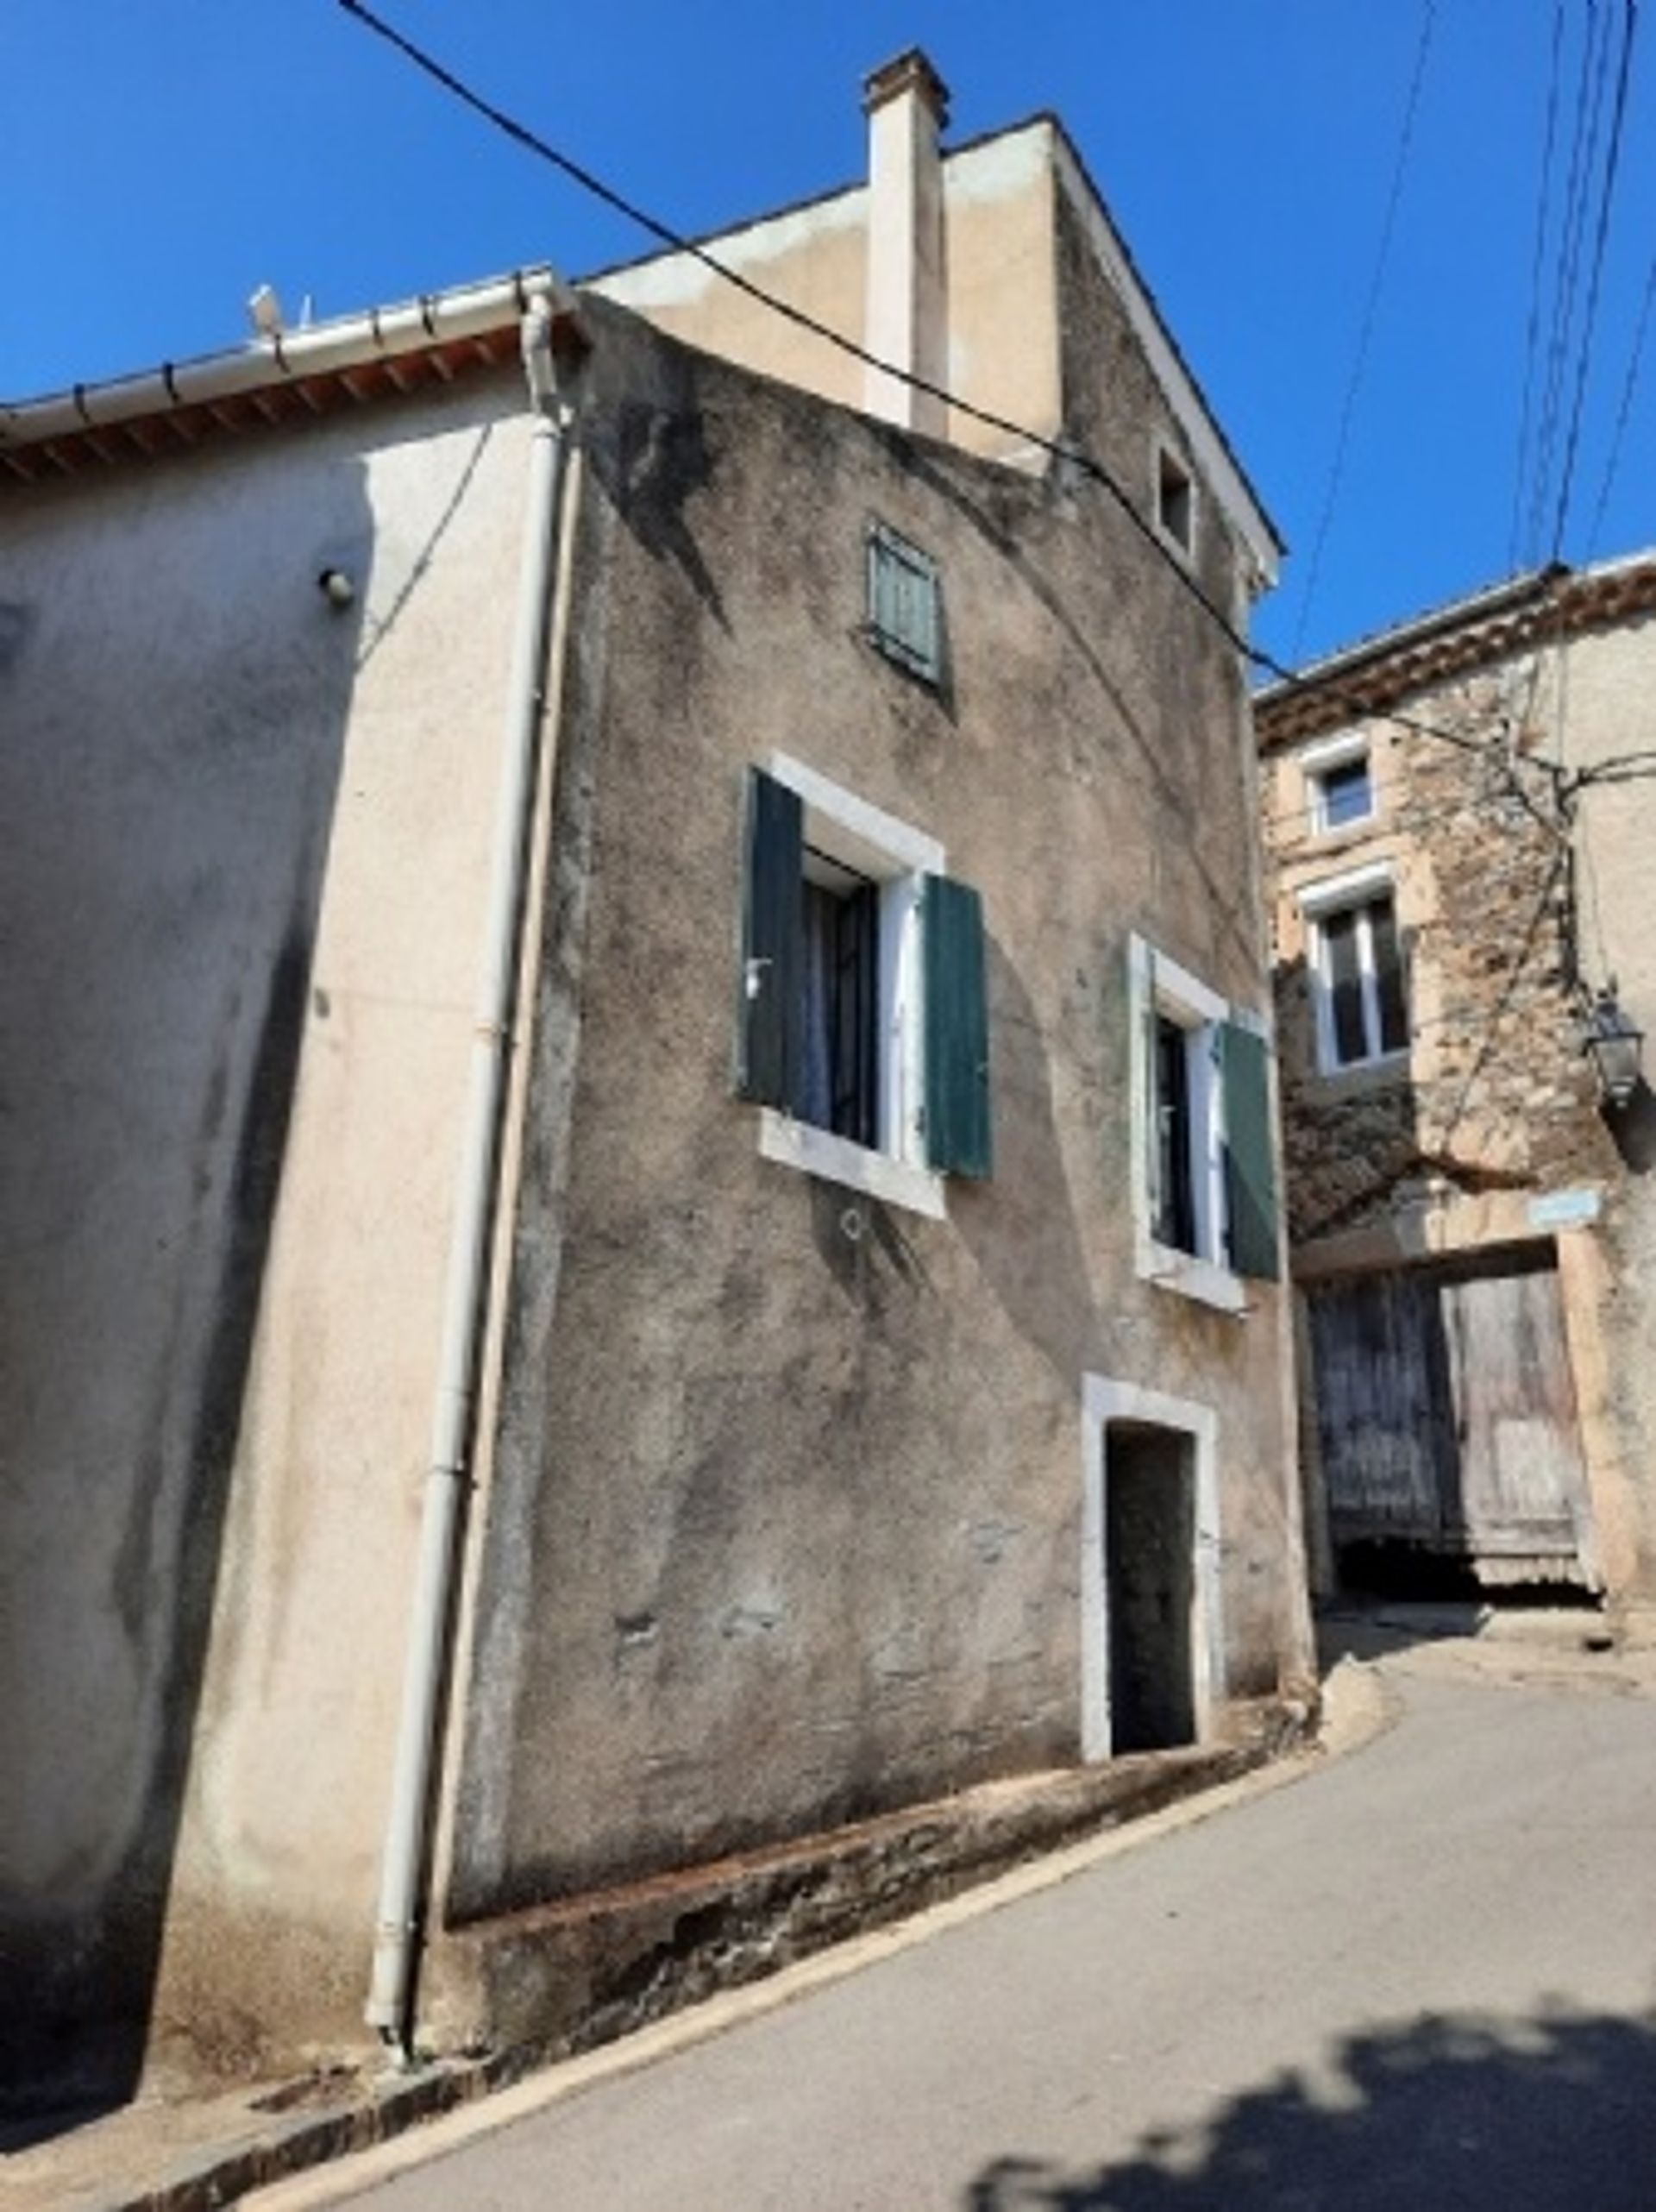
[1176, 500]
[903, 611]
[1342, 795]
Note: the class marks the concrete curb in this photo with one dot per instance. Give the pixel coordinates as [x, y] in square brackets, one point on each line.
[785, 1924]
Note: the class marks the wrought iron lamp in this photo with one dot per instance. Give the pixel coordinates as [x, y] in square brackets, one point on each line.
[1616, 1044]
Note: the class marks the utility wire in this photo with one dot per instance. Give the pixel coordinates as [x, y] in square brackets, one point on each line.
[1365, 333]
[1068, 455]
[1588, 98]
[585, 178]
[1606, 200]
[1624, 411]
[1595, 62]
[1537, 284]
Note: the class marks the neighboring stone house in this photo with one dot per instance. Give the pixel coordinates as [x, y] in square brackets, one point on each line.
[1459, 822]
[641, 1195]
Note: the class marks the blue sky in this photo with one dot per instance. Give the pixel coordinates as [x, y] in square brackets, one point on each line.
[161, 160]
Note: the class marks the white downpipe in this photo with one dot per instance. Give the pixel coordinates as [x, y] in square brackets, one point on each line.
[403, 1867]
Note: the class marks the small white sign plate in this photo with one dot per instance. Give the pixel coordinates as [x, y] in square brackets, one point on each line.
[1564, 1209]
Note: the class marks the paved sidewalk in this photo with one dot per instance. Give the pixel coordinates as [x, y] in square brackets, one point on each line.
[1413, 1981]
[161, 2156]
[167, 2155]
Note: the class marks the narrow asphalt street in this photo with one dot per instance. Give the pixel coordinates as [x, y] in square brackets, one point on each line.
[1424, 1975]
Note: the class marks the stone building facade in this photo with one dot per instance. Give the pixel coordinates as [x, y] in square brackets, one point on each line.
[1464, 1210]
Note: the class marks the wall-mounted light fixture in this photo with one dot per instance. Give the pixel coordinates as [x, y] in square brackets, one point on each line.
[336, 589]
[1616, 1044]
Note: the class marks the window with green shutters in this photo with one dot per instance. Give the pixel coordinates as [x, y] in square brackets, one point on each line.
[1203, 1158]
[1252, 1214]
[863, 1020]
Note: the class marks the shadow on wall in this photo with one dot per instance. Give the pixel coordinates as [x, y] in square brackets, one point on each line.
[1448, 2111]
[173, 753]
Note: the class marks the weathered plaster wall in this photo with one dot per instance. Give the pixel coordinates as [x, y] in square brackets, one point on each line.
[785, 1522]
[240, 923]
[998, 249]
[1607, 709]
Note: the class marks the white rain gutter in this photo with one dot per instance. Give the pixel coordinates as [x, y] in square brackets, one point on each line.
[397, 1925]
[348, 342]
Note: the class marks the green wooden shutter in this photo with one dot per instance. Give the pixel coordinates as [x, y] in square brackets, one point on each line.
[1150, 1101]
[1250, 1170]
[773, 943]
[958, 1138]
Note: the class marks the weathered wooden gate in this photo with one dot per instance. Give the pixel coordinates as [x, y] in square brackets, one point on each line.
[1448, 1417]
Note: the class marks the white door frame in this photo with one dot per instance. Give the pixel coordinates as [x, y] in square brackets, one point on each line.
[1103, 1400]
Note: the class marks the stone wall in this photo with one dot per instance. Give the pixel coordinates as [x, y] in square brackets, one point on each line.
[1494, 1094]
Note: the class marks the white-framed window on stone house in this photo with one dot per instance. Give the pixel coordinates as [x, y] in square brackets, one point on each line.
[864, 1026]
[1340, 790]
[1203, 1161]
[1175, 499]
[904, 615]
[1354, 954]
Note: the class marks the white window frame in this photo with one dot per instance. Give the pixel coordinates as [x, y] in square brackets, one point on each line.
[1357, 889]
[1206, 1274]
[1316, 763]
[898, 858]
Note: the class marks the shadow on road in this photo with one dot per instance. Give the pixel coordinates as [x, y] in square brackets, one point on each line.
[1365, 1628]
[1447, 2111]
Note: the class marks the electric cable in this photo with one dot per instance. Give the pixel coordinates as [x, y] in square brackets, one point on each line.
[1624, 410]
[1365, 331]
[1067, 455]
[1582, 161]
[1606, 200]
[1537, 284]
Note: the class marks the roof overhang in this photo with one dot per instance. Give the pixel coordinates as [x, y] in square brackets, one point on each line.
[1525, 615]
[349, 361]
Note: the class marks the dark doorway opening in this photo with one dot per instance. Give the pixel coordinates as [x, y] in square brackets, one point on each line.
[1150, 1577]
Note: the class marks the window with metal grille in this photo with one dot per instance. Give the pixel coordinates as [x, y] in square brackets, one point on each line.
[903, 617]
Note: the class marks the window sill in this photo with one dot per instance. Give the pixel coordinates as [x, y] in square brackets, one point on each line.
[1323, 842]
[836, 1159]
[1202, 1281]
[1384, 1069]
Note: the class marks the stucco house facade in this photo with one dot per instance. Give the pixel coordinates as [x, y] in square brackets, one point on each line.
[1458, 817]
[640, 1160]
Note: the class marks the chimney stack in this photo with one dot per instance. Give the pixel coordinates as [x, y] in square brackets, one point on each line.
[906, 317]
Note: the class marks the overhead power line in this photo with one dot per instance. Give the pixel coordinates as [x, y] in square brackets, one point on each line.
[1537, 284]
[1584, 162]
[1069, 456]
[1607, 201]
[1624, 410]
[1366, 332]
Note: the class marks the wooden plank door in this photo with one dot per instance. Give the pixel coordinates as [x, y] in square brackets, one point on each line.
[1384, 1409]
[1522, 1487]
[1446, 1415]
